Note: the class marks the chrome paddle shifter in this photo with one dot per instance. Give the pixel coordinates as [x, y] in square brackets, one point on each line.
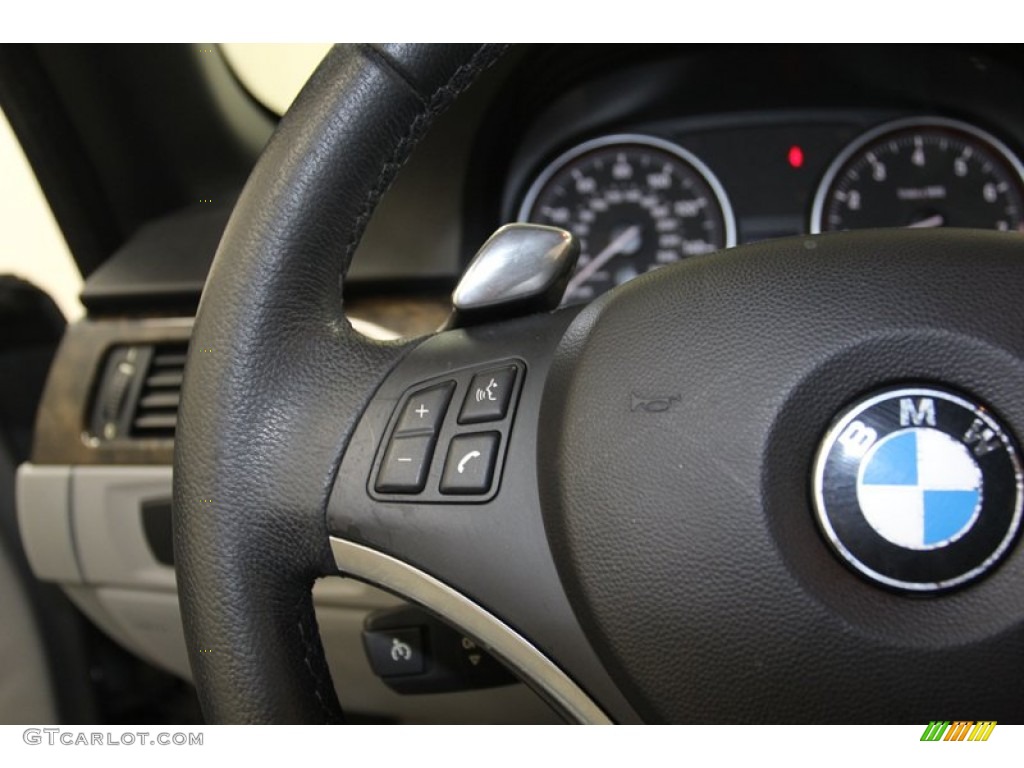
[521, 269]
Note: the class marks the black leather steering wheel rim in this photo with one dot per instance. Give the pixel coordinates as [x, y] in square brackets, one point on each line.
[263, 423]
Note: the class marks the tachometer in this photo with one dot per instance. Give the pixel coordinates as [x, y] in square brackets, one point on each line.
[923, 172]
[635, 203]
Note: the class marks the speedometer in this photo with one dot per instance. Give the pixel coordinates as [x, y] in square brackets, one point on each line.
[635, 203]
[923, 172]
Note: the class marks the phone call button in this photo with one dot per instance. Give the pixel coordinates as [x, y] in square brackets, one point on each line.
[469, 467]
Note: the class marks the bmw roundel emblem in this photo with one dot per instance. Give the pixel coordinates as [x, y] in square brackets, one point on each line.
[918, 489]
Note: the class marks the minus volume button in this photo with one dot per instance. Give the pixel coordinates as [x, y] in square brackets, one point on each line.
[405, 464]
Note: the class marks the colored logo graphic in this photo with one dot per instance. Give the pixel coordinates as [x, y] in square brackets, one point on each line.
[958, 730]
[919, 488]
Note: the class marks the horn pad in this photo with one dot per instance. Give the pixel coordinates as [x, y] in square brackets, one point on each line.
[679, 434]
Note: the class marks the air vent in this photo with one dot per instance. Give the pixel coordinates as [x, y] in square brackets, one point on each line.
[138, 392]
[156, 410]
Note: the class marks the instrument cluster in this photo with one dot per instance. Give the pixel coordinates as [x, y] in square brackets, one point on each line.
[641, 199]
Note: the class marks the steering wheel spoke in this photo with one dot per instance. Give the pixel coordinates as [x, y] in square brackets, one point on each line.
[437, 500]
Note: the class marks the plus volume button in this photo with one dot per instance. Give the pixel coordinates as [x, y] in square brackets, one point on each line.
[424, 410]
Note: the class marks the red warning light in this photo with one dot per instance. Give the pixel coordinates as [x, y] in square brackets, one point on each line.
[795, 156]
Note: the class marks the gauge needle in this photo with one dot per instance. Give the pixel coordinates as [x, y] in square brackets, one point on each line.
[615, 247]
[932, 221]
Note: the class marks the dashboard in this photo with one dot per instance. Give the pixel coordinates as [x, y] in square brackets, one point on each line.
[759, 142]
[649, 154]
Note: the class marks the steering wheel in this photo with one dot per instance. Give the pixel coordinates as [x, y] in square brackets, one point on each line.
[647, 530]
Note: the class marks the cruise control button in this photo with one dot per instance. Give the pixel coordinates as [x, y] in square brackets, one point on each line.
[469, 467]
[488, 396]
[405, 465]
[395, 652]
[425, 409]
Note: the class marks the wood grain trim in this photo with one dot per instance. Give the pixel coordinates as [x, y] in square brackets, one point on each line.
[61, 435]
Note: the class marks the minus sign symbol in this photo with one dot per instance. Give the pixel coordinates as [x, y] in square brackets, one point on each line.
[405, 460]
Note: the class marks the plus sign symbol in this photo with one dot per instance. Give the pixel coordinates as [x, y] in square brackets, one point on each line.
[422, 410]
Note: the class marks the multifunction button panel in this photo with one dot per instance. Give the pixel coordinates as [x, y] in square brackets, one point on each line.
[446, 440]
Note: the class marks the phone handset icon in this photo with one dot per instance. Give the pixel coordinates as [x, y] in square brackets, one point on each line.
[466, 459]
